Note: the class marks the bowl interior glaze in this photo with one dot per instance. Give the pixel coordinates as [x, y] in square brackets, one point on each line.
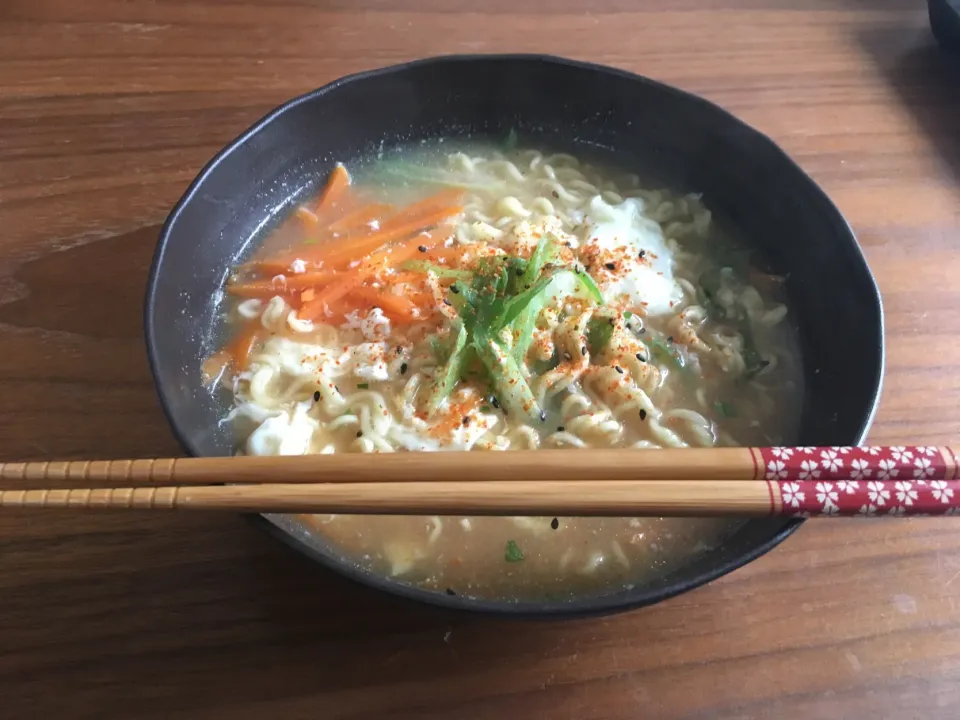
[666, 135]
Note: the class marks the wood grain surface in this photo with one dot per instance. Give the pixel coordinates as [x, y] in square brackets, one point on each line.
[108, 108]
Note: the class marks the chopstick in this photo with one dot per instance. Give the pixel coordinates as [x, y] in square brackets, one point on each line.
[743, 482]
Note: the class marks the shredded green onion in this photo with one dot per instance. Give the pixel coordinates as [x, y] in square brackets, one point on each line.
[438, 270]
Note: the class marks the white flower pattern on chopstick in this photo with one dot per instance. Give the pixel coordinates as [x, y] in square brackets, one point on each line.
[941, 491]
[847, 486]
[826, 495]
[860, 469]
[901, 454]
[809, 470]
[831, 461]
[923, 469]
[878, 493]
[905, 492]
[865, 482]
[792, 495]
[776, 470]
[887, 469]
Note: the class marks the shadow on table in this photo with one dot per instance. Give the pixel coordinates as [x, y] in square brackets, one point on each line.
[126, 622]
[927, 81]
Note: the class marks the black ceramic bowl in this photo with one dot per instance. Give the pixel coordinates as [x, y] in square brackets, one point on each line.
[684, 141]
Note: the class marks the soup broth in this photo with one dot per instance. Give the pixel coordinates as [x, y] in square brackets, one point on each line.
[482, 297]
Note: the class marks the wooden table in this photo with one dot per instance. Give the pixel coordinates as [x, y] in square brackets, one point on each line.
[109, 108]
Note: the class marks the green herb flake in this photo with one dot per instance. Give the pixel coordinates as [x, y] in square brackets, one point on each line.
[725, 409]
[627, 315]
[599, 334]
[666, 354]
[513, 553]
[363, 386]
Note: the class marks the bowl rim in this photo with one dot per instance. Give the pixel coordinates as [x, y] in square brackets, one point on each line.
[588, 606]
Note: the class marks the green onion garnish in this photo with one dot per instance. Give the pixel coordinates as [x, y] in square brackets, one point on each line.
[513, 552]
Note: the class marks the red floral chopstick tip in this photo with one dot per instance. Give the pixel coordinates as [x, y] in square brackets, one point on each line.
[859, 481]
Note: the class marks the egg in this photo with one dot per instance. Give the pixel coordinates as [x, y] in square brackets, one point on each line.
[618, 234]
[284, 434]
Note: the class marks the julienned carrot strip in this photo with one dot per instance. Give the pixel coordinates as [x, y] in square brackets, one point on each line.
[307, 216]
[269, 288]
[336, 188]
[361, 218]
[257, 289]
[405, 276]
[387, 257]
[272, 266]
[396, 307]
[214, 366]
[345, 251]
[418, 216]
[444, 198]
[242, 344]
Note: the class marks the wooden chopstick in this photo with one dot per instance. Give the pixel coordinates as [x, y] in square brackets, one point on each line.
[555, 465]
[548, 465]
[717, 482]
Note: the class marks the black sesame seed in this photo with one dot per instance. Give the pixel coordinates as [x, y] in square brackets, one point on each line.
[454, 289]
[555, 523]
[583, 350]
[359, 433]
[422, 248]
[316, 396]
[494, 402]
[450, 591]
[403, 368]
[610, 266]
[560, 428]
[337, 388]
[619, 369]
[399, 349]
[642, 253]
[555, 194]
[669, 338]
[543, 416]
[466, 420]
[641, 331]
[641, 358]
[446, 302]
[643, 414]
[519, 272]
